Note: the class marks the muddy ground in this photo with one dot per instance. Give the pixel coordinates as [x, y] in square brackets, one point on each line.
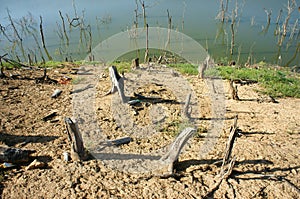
[267, 149]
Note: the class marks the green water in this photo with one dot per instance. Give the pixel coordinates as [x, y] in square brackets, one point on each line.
[195, 18]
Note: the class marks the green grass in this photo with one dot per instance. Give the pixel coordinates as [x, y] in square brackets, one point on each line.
[185, 68]
[122, 66]
[275, 82]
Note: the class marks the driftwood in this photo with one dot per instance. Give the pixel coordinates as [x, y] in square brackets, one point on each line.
[77, 148]
[50, 116]
[14, 155]
[172, 155]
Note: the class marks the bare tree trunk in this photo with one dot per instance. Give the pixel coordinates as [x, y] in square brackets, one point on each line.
[64, 28]
[144, 12]
[146, 59]
[19, 38]
[43, 39]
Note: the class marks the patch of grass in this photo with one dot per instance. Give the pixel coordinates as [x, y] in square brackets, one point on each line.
[7, 65]
[275, 82]
[122, 66]
[185, 68]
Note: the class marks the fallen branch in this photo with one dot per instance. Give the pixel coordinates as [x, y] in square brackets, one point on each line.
[14, 155]
[225, 176]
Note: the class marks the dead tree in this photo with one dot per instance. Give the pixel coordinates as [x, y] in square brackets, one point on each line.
[43, 39]
[268, 13]
[19, 39]
[172, 155]
[146, 59]
[64, 27]
[74, 136]
[144, 12]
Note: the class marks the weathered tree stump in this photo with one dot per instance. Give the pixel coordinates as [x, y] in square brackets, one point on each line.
[186, 112]
[172, 155]
[202, 67]
[77, 148]
[117, 83]
[135, 63]
[234, 90]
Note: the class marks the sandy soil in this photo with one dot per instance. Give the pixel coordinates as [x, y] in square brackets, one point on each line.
[266, 150]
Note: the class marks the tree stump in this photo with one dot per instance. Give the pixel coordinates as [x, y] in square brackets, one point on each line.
[77, 148]
[186, 112]
[117, 83]
[135, 63]
[234, 91]
[172, 155]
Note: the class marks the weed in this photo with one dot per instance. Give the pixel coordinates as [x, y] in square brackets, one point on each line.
[123, 67]
[185, 68]
[275, 82]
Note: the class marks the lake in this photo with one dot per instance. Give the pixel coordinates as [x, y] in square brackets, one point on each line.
[93, 21]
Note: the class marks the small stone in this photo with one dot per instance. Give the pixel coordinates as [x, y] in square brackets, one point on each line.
[294, 171]
[66, 156]
[36, 165]
[74, 156]
[56, 93]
